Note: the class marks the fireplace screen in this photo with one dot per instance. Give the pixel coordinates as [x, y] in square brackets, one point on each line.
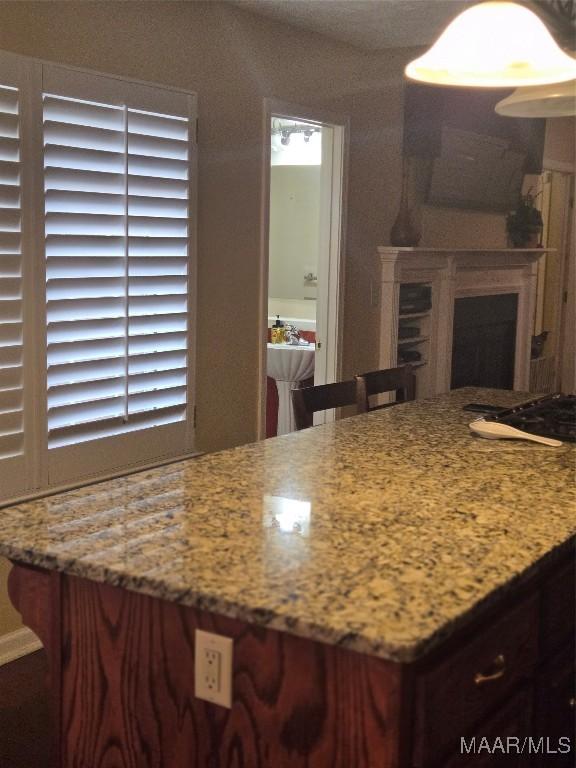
[484, 341]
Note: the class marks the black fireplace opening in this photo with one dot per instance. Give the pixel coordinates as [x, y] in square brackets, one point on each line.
[484, 341]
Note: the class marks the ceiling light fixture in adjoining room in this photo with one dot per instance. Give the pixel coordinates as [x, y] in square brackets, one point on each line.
[556, 100]
[295, 143]
[494, 45]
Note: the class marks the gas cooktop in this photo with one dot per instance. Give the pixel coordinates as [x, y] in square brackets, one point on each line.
[550, 416]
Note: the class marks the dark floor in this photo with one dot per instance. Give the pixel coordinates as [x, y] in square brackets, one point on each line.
[24, 718]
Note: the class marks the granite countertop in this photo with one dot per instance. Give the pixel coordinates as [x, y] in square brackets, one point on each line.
[381, 533]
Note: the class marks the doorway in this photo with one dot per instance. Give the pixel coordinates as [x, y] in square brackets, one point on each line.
[303, 219]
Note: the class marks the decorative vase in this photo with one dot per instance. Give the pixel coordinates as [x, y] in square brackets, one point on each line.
[405, 230]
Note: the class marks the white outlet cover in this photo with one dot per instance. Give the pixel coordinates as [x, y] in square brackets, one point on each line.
[221, 692]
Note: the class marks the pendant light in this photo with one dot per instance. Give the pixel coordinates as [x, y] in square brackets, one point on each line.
[494, 45]
[557, 100]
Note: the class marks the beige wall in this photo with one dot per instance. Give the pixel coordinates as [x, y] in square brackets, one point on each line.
[560, 144]
[447, 228]
[294, 229]
[233, 60]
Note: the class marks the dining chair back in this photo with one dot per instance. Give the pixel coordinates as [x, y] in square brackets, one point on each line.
[308, 400]
[400, 380]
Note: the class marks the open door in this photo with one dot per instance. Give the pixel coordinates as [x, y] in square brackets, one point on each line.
[329, 261]
[303, 232]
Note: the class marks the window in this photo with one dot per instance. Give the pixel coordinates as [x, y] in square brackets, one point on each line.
[96, 345]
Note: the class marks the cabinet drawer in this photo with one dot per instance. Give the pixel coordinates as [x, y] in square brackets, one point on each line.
[459, 692]
[559, 610]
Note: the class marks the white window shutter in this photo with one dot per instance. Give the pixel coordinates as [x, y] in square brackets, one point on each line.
[118, 308]
[11, 282]
[97, 275]
[20, 442]
[158, 215]
[85, 273]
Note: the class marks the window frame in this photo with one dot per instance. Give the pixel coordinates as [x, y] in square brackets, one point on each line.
[48, 470]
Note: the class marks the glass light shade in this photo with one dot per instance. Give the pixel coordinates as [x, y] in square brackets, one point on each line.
[494, 45]
[557, 100]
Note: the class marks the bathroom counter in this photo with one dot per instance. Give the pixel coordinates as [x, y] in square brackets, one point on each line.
[381, 533]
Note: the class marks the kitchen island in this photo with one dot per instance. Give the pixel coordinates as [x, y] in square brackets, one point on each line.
[391, 582]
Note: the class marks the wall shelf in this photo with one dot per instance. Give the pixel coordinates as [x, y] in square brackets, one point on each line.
[415, 340]
[413, 315]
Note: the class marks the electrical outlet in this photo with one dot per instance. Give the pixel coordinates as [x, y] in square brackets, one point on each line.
[213, 668]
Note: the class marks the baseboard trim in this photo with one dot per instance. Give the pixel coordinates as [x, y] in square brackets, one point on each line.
[16, 644]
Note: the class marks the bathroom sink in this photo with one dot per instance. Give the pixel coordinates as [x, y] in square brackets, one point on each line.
[288, 364]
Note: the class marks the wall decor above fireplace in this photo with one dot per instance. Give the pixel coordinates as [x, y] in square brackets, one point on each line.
[468, 156]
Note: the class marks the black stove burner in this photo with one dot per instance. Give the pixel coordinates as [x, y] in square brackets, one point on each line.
[550, 416]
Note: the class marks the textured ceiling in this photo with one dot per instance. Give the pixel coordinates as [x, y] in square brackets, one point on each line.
[368, 24]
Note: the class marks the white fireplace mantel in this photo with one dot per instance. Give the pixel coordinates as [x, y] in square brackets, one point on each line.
[452, 274]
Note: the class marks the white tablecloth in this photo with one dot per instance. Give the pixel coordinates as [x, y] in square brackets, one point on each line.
[288, 365]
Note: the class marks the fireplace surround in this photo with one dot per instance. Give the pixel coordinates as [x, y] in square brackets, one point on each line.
[424, 333]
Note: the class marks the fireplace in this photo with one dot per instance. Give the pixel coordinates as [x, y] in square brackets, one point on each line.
[484, 341]
[476, 324]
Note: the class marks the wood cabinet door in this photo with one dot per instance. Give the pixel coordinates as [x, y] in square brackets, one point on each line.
[490, 744]
[558, 623]
[466, 687]
[555, 704]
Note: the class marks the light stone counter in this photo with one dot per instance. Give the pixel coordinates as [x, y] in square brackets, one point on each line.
[381, 532]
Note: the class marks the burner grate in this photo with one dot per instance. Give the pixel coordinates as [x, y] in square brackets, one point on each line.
[550, 416]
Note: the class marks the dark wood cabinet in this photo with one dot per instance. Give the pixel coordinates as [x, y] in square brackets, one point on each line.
[513, 720]
[556, 701]
[558, 609]
[529, 689]
[472, 682]
[122, 677]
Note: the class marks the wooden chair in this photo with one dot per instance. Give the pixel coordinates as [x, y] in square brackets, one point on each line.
[400, 380]
[308, 400]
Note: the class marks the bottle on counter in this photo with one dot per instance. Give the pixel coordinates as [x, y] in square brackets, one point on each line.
[278, 335]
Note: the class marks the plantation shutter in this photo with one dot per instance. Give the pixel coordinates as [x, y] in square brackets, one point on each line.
[11, 288]
[11, 316]
[117, 212]
[97, 275]
[85, 273]
[16, 418]
[158, 265]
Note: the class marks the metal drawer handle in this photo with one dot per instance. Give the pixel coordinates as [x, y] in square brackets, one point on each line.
[572, 702]
[496, 672]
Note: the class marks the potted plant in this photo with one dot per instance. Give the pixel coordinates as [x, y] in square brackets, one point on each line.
[524, 225]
